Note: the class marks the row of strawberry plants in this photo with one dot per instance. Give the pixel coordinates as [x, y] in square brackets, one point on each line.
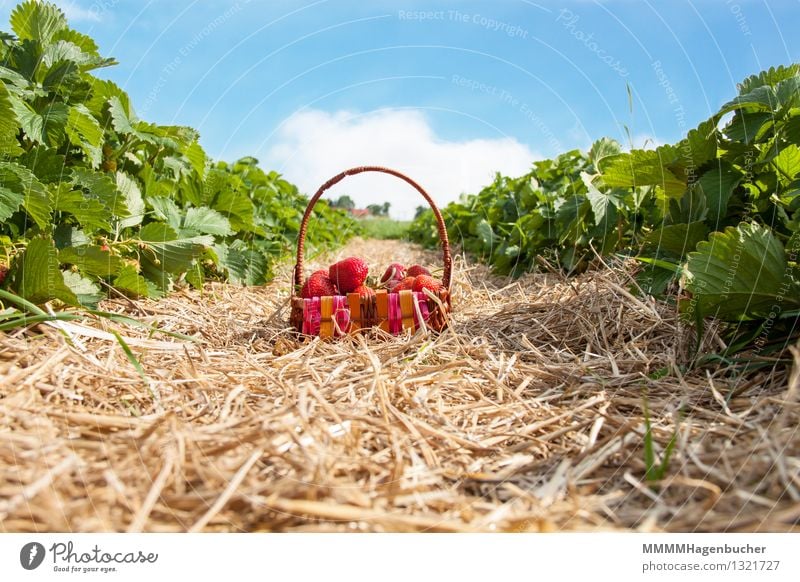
[94, 199]
[718, 212]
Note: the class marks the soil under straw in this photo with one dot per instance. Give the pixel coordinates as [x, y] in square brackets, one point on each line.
[527, 415]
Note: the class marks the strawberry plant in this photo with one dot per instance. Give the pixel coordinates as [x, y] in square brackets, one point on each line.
[93, 198]
[720, 210]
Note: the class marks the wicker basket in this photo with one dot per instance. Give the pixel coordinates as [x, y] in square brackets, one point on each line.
[392, 312]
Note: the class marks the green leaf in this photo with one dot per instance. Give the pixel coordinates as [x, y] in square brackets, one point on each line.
[746, 126]
[759, 99]
[740, 274]
[788, 162]
[206, 221]
[85, 290]
[66, 235]
[54, 122]
[103, 91]
[173, 254]
[485, 233]
[10, 201]
[603, 148]
[678, 239]
[130, 283]
[9, 146]
[46, 164]
[37, 276]
[770, 77]
[62, 73]
[237, 207]
[85, 132]
[35, 20]
[119, 117]
[18, 186]
[197, 157]
[243, 265]
[600, 201]
[31, 123]
[91, 260]
[717, 185]
[91, 213]
[134, 202]
[82, 41]
[100, 187]
[641, 168]
[167, 210]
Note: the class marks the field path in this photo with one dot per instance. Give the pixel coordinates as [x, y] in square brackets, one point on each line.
[526, 415]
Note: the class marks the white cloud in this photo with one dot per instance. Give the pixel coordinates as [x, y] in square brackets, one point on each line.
[312, 146]
[77, 13]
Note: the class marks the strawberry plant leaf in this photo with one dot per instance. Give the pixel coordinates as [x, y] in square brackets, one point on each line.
[31, 193]
[678, 239]
[46, 164]
[740, 274]
[717, 185]
[86, 291]
[90, 260]
[770, 77]
[641, 168]
[129, 190]
[91, 213]
[100, 187]
[9, 146]
[85, 132]
[66, 235]
[237, 207]
[130, 283]
[204, 220]
[37, 276]
[788, 163]
[170, 252]
[243, 266]
[40, 21]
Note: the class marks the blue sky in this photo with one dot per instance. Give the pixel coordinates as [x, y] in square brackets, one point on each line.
[447, 91]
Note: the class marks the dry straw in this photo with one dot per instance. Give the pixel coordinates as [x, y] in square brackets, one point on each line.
[526, 415]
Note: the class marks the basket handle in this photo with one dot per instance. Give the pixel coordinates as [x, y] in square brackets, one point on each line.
[301, 240]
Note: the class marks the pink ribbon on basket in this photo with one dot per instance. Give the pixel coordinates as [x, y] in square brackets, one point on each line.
[395, 315]
[421, 300]
[312, 316]
[341, 314]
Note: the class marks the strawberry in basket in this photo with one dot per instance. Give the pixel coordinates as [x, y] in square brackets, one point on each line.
[349, 274]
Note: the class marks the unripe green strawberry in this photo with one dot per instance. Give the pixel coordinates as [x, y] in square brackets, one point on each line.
[318, 285]
[426, 282]
[348, 274]
[417, 270]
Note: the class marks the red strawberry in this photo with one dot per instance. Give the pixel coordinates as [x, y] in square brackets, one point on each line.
[348, 274]
[405, 285]
[364, 291]
[426, 282]
[394, 272]
[3, 273]
[318, 285]
[417, 270]
[105, 248]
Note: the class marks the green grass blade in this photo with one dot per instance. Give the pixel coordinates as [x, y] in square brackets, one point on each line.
[22, 302]
[131, 356]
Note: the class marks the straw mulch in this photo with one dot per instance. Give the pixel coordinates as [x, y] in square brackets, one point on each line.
[526, 416]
